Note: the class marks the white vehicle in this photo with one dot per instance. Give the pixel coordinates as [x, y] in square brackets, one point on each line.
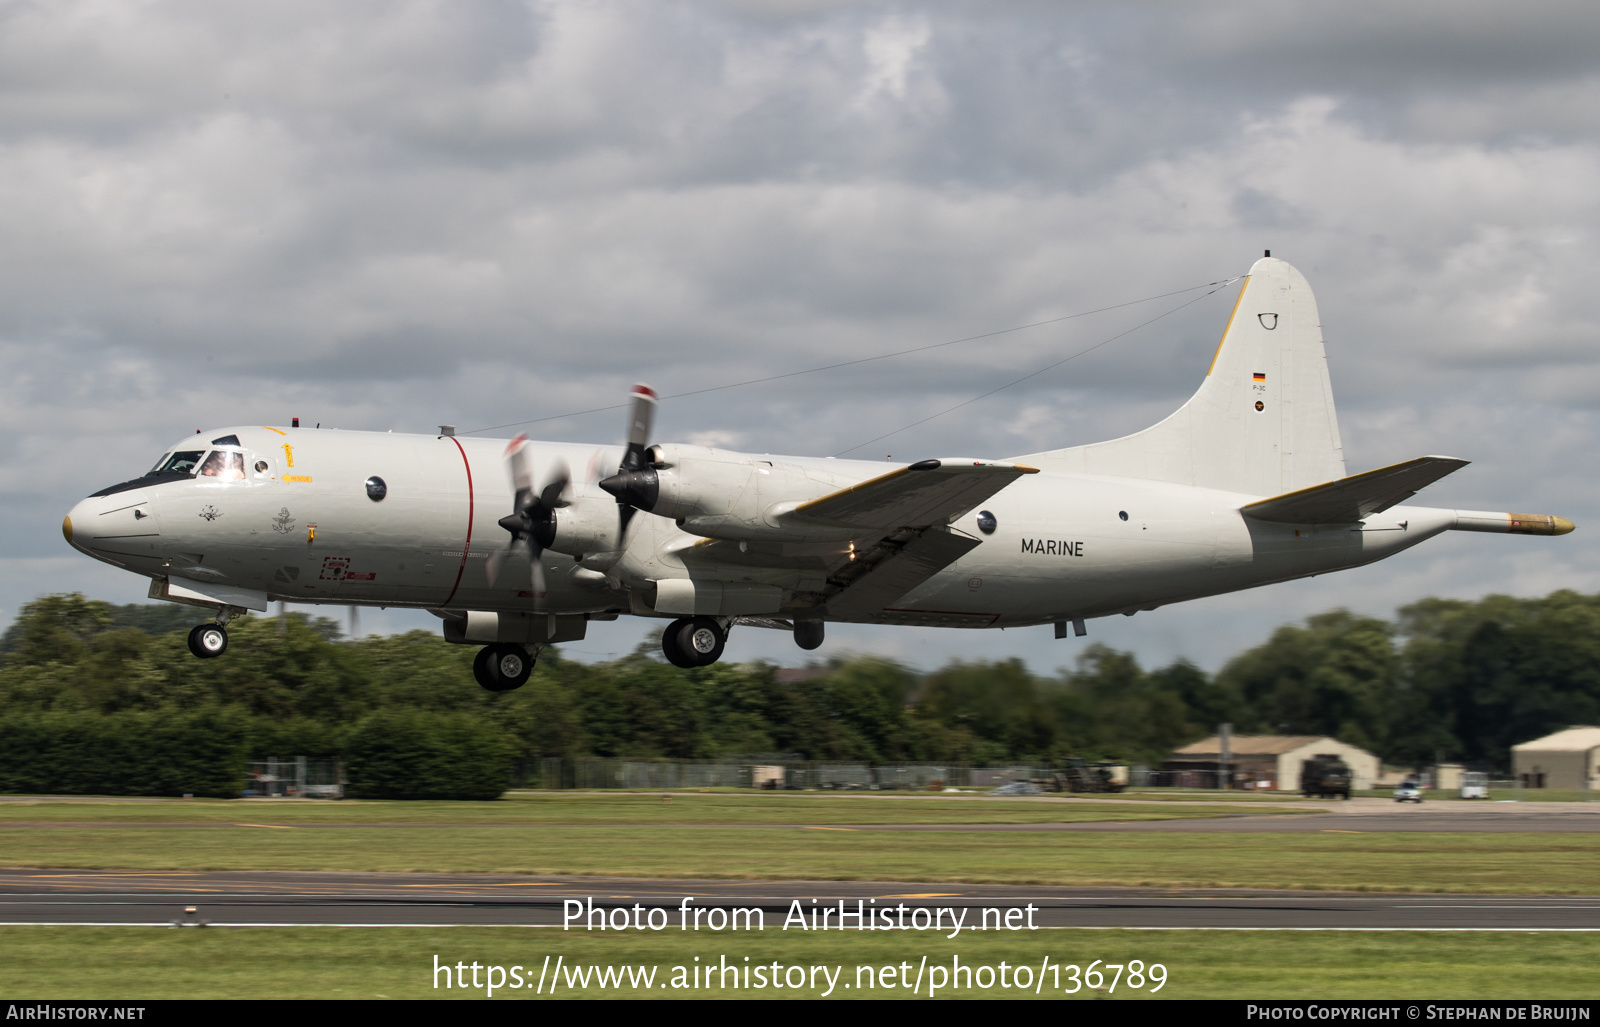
[1474, 785]
[1245, 485]
[1408, 792]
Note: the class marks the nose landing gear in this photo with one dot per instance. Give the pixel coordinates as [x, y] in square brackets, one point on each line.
[504, 666]
[694, 641]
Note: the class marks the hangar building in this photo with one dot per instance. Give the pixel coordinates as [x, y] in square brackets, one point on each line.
[1566, 759]
[1275, 759]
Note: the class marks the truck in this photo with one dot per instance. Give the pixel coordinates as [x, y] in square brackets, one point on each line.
[1325, 775]
[1077, 775]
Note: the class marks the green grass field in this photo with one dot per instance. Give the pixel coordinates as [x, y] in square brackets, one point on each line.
[132, 963]
[632, 808]
[813, 838]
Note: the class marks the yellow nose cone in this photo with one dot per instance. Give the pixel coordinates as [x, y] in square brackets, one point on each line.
[66, 529]
[1561, 525]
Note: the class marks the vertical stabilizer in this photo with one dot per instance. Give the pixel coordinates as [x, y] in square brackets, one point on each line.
[1262, 422]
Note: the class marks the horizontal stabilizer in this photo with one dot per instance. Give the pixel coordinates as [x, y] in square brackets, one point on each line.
[925, 493]
[1356, 497]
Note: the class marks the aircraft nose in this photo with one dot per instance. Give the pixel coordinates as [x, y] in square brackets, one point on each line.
[79, 518]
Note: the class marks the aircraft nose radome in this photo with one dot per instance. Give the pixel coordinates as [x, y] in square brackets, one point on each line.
[78, 520]
[1561, 525]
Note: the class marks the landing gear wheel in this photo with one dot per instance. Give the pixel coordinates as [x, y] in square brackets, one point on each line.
[670, 648]
[502, 667]
[701, 640]
[208, 640]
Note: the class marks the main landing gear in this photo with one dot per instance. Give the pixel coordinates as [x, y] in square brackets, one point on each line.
[503, 666]
[694, 641]
[208, 641]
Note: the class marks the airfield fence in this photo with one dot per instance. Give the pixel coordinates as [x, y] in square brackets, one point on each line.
[761, 772]
[291, 778]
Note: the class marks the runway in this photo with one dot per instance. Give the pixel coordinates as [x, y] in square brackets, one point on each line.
[354, 899]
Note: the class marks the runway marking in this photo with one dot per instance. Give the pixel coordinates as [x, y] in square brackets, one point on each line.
[468, 887]
[829, 829]
[270, 827]
[102, 875]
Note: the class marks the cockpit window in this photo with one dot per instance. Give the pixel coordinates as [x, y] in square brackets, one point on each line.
[223, 464]
[226, 440]
[179, 463]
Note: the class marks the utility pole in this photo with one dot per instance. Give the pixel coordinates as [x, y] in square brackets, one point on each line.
[1225, 755]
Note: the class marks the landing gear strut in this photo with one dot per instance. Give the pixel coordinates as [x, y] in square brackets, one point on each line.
[694, 642]
[208, 640]
[503, 666]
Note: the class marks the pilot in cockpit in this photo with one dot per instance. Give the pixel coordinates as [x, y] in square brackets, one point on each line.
[223, 464]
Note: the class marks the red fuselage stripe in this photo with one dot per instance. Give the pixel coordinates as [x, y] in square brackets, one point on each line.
[466, 549]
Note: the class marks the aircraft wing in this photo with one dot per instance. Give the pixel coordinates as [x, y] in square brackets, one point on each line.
[1351, 499]
[925, 493]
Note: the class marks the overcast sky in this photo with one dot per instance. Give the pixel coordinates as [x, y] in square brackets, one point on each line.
[397, 215]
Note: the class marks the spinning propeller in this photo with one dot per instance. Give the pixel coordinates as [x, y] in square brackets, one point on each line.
[532, 520]
[533, 514]
[635, 484]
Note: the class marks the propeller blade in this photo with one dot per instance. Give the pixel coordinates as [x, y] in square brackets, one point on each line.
[496, 558]
[537, 569]
[640, 418]
[517, 458]
[556, 492]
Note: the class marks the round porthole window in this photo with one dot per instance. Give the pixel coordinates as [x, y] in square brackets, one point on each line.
[261, 467]
[986, 522]
[1122, 514]
[376, 489]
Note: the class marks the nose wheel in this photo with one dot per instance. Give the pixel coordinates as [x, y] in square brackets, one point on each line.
[208, 640]
[694, 642]
[502, 667]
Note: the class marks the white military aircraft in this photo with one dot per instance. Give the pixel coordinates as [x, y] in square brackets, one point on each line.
[1245, 485]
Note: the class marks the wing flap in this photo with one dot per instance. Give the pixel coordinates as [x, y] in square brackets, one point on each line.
[1351, 499]
[916, 496]
[901, 567]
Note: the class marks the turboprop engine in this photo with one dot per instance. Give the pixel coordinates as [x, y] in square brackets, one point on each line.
[719, 493]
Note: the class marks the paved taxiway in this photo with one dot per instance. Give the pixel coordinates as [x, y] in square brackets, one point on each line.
[265, 897]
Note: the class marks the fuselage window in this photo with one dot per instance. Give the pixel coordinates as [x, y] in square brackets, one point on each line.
[223, 464]
[180, 463]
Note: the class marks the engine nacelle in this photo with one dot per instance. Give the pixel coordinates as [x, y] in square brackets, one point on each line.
[719, 493]
[589, 523]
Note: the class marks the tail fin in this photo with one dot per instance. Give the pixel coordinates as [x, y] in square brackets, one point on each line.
[1262, 422]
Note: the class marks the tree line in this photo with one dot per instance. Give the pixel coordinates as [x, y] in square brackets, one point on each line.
[1445, 680]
